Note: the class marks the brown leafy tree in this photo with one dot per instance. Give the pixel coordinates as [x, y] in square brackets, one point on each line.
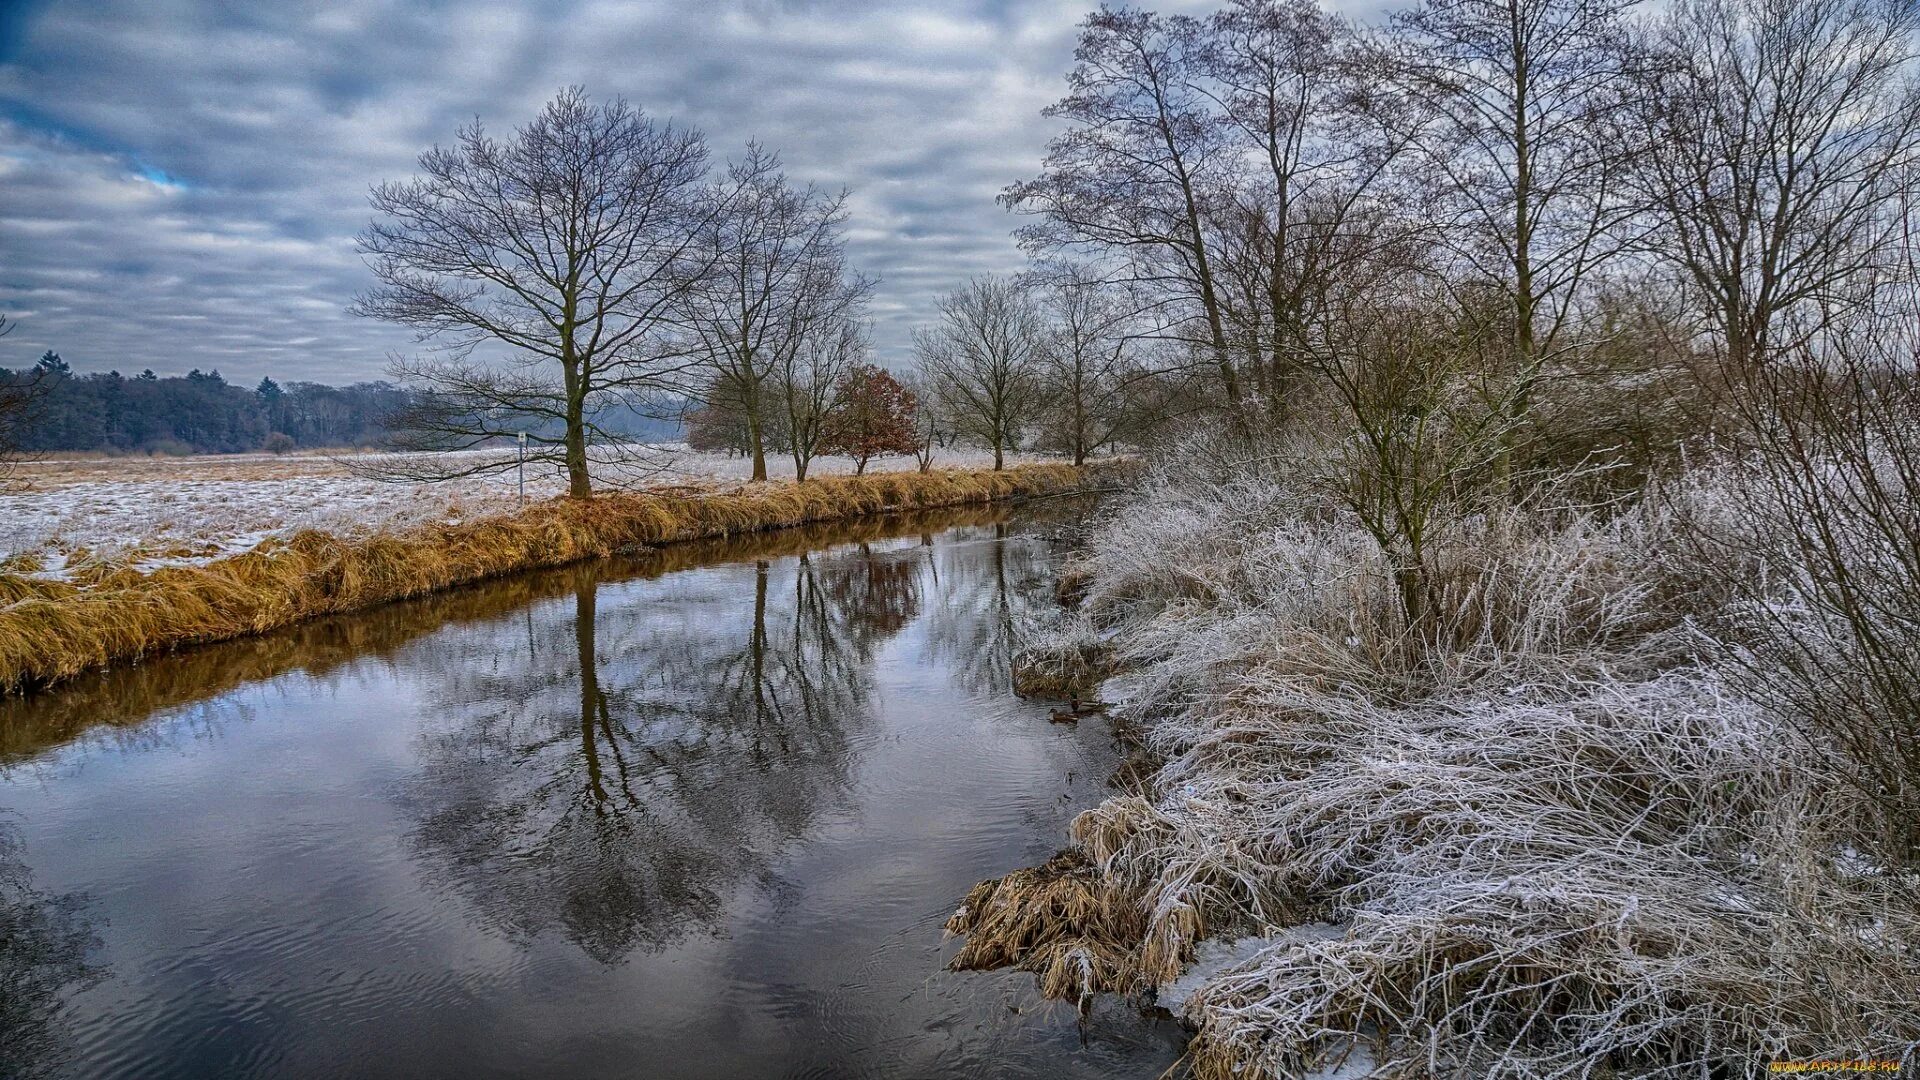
[563, 250]
[872, 415]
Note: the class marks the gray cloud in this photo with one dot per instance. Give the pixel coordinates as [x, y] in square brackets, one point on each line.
[183, 178]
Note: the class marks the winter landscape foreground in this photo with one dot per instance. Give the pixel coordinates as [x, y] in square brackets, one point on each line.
[1575, 819]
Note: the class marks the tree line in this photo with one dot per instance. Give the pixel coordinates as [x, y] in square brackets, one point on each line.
[596, 260]
[198, 413]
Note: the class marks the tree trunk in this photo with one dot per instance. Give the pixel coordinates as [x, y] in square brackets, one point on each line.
[1411, 579]
[999, 462]
[579, 482]
[583, 626]
[758, 440]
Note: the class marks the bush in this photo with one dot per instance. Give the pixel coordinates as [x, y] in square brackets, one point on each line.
[278, 442]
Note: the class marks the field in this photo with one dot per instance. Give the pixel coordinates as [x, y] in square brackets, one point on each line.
[91, 612]
[151, 512]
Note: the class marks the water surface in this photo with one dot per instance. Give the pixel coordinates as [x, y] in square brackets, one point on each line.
[698, 813]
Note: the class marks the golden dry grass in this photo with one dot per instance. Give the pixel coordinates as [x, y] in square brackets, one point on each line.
[1064, 920]
[53, 630]
[127, 696]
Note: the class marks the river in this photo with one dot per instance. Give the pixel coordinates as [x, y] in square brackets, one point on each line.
[697, 813]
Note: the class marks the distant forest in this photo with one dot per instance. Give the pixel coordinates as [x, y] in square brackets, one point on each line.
[202, 413]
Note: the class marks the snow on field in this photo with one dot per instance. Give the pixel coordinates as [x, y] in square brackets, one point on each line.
[156, 511]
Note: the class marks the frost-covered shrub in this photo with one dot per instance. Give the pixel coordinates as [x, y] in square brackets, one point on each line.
[1560, 839]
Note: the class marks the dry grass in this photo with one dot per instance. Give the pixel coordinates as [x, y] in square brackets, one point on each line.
[1557, 840]
[153, 512]
[1063, 921]
[54, 630]
[129, 695]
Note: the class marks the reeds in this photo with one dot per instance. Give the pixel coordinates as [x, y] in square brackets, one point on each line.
[51, 630]
[1063, 920]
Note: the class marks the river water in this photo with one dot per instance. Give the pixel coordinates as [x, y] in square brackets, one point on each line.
[698, 813]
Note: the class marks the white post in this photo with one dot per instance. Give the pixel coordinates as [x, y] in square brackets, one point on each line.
[523, 467]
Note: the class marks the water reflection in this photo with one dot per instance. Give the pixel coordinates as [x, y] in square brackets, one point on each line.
[119, 704]
[983, 604]
[623, 772]
[44, 945]
[604, 820]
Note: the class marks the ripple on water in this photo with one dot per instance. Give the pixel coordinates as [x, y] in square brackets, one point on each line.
[604, 821]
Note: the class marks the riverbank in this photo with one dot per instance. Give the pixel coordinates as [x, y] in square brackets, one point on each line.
[1556, 834]
[128, 695]
[54, 629]
[580, 821]
[60, 516]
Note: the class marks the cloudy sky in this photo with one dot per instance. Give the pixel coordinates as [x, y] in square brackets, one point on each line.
[180, 180]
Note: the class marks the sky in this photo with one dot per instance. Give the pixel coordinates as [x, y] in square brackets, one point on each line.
[181, 180]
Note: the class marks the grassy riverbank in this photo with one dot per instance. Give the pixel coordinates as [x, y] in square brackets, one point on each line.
[1557, 831]
[54, 629]
[130, 694]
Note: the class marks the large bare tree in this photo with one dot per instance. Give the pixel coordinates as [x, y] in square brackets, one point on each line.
[776, 276]
[545, 268]
[1782, 139]
[1134, 175]
[1311, 155]
[982, 360]
[1515, 121]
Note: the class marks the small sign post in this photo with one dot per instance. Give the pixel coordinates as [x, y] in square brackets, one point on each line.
[522, 440]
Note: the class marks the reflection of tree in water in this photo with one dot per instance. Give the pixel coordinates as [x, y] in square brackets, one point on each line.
[44, 942]
[883, 586]
[990, 586]
[130, 698]
[619, 770]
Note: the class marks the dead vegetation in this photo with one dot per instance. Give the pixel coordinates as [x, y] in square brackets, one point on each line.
[51, 630]
[1556, 835]
[1063, 920]
[128, 695]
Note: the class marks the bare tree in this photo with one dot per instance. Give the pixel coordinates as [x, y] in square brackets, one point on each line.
[776, 274]
[1781, 137]
[566, 248]
[1312, 155]
[1089, 364]
[930, 423]
[20, 395]
[1413, 430]
[982, 359]
[808, 384]
[1833, 609]
[1515, 119]
[1132, 176]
